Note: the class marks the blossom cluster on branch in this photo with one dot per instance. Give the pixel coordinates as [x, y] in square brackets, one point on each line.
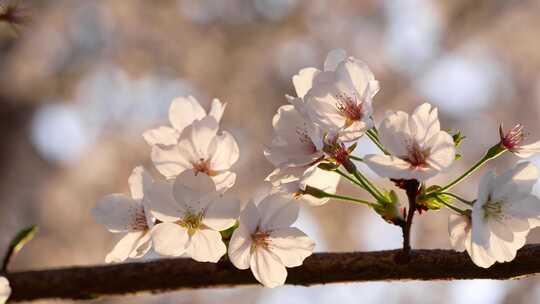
[190, 212]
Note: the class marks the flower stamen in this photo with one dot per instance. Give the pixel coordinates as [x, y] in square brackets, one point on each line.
[350, 108]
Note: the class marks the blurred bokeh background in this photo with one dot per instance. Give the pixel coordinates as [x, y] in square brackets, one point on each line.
[80, 81]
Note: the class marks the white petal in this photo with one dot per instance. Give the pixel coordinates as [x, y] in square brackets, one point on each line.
[527, 208]
[459, 230]
[240, 248]
[485, 188]
[195, 191]
[117, 212]
[285, 175]
[334, 58]
[226, 152]
[277, 211]
[291, 245]
[303, 81]
[161, 136]
[394, 133]
[161, 202]
[515, 183]
[356, 74]
[142, 246]
[124, 247]
[5, 290]
[224, 180]
[170, 239]
[526, 151]
[267, 268]
[425, 123]
[170, 161]
[206, 246]
[325, 180]
[222, 213]
[216, 109]
[250, 218]
[480, 256]
[183, 111]
[442, 151]
[201, 135]
[139, 182]
[480, 232]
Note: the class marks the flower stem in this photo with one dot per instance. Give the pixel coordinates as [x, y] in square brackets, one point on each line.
[348, 177]
[492, 153]
[470, 203]
[462, 212]
[318, 193]
[356, 158]
[372, 189]
[372, 134]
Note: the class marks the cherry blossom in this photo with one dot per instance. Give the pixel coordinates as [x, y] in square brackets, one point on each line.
[339, 98]
[500, 218]
[201, 149]
[419, 149]
[266, 243]
[122, 214]
[513, 141]
[5, 290]
[192, 214]
[182, 112]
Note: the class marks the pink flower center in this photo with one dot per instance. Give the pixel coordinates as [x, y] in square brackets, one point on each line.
[350, 108]
[203, 166]
[138, 221]
[417, 156]
[260, 239]
[513, 138]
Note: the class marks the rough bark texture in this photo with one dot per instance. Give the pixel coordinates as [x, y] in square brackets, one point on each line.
[320, 268]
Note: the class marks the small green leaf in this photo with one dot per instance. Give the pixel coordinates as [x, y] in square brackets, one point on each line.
[458, 157]
[352, 147]
[227, 233]
[24, 236]
[458, 138]
[328, 166]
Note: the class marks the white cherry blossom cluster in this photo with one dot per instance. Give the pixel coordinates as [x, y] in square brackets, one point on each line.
[189, 212]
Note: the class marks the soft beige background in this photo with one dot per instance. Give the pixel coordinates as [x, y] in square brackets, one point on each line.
[80, 83]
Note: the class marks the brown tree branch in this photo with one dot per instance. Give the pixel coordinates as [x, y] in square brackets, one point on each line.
[321, 268]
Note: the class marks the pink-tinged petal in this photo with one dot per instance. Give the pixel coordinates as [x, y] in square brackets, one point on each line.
[500, 231]
[170, 161]
[442, 151]
[165, 136]
[240, 248]
[161, 203]
[217, 109]
[321, 179]
[250, 218]
[334, 58]
[303, 81]
[355, 130]
[267, 268]
[117, 212]
[183, 111]
[502, 250]
[526, 151]
[516, 182]
[459, 229]
[139, 182]
[226, 152]
[525, 209]
[394, 167]
[170, 239]
[124, 247]
[277, 210]
[206, 246]
[194, 190]
[224, 180]
[142, 246]
[323, 107]
[222, 213]
[394, 133]
[291, 245]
